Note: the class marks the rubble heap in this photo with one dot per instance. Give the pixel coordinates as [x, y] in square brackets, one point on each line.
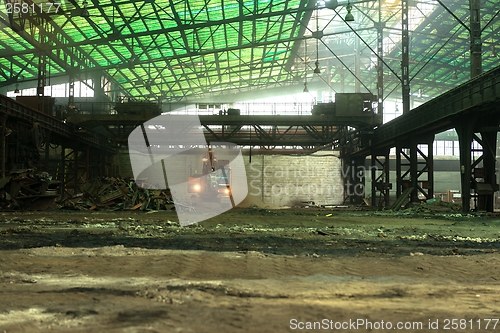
[114, 193]
[28, 189]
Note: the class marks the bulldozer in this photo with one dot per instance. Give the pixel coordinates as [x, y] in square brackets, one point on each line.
[214, 183]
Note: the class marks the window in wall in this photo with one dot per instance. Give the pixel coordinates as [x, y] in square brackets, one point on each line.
[439, 148]
[59, 90]
[424, 149]
[448, 148]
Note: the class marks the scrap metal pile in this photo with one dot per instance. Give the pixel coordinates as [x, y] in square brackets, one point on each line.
[28, 189]
[113, 193]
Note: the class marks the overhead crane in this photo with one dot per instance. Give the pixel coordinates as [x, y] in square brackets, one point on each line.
[472, 109]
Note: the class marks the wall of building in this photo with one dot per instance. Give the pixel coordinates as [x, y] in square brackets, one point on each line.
[276, 180]
[284, 180]
[287, 180]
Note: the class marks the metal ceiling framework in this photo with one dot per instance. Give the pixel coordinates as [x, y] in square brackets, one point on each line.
[177, 50]
[439, 46]
[155, 50]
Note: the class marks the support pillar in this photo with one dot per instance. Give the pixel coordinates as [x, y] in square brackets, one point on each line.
[465, 131]
[415, 169]
[75, 171]
[87, 164]
[486, 194]
[413, 172]
[42, 76]
[62, 171]
[47, 150]
[380, 61]
[475, 39]
[424, 167]
[405, 61]
[71, 91]
[402, 170]
[380, 178]
[4, 144]
[354, 179]
[357, 65]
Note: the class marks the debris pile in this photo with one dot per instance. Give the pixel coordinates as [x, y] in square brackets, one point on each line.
[437, 206]
[113, 193]
[27, 189]
[430, 207]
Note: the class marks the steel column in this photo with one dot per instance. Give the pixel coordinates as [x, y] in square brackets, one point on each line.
[430, 170]
[88, 174]
[380, 178]
[47, 149]
[42, 76]
[425, 165]
[380, 61]
[411, 167]
[4, 145]
[489, 143]
[354, 179]
[75, 161]
[402, 169]
[465, 131]
[357, 65]
[62, 171]
[413, 172]
[71, 91]
[405, 61]
[475, 38]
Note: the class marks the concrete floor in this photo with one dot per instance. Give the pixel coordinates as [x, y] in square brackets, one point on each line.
[249, 270]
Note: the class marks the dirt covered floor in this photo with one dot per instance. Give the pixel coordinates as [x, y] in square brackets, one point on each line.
[249, 270]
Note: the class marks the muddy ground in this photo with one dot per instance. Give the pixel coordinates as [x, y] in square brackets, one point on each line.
[249, 270]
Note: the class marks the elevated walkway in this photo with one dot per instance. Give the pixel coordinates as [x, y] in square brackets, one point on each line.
[473, 110]
[67, 132]
[478, 97]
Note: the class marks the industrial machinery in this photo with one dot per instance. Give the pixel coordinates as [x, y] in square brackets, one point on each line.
[357, 108]
[214, 183]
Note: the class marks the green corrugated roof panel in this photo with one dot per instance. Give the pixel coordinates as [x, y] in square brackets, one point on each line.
[225, 44]
[182, 44]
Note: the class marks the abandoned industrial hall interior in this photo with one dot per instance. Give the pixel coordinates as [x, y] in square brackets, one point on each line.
[249, 166]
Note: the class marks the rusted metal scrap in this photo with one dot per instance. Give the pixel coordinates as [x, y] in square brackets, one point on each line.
[27, 189]
[114, 193]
